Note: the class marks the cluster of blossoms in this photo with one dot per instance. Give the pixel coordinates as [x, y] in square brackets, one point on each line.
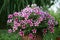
[29, 20]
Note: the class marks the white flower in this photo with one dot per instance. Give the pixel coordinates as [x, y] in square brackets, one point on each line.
[33, 5]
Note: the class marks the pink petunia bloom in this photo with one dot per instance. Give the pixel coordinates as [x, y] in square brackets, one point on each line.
[36, 24]
[15, 28]
[40, 19]
[16, 14]
[31, 36]
[34, 30]
[25, 15]
[36, 10]
[50, 22]
[27, 10]
[52, 30]
[9, 21]
[21, 33]
[9, 31]
[16, 19]
[16, 24]
[22, 21]
[30, 22]
[23, 26]
[20, 14]
[10, 16]
[44, 31]
[50, 27]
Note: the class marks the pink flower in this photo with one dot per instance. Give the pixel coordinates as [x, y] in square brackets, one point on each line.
[10, 16]
[16, 14]
[44, 31]
[30, 22]
[31, 36]
[50, 22]
[36, 10]
[48, 15]
[21, 33]
[23, 26]
[50, 27]
[16, 24]
[20, 14]
[36, 24]
[34, 30]
[9, 31]
[23, 22]
[16, 19]
[27, 10]
[14, 29]
[9, 21]
[40, 19]
[52, 30]
[25, 15]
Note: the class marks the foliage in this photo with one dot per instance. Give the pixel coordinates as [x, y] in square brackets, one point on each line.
[49, 36]
[4, 35]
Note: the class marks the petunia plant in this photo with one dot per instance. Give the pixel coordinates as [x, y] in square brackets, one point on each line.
[30, 20]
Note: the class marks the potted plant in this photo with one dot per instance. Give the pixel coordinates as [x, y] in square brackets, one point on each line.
[31, 22]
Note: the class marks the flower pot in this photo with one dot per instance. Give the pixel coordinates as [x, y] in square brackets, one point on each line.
[38, 37]
[58, 38]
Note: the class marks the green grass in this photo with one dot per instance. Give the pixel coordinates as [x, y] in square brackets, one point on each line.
[4, 35]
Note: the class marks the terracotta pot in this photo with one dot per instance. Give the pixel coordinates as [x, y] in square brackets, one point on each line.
[38, 37]
[58, 38]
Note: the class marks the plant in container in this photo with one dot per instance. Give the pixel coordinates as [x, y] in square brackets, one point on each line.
[31, 22]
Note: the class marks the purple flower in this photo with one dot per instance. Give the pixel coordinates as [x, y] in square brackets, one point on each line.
[16, 19]
[10, 16]
[21, 33]
[40, 19]
[23, 26]
[52, 30]
[9, 31]
[30, 22]
[9, 21]
[34, 30]
[15, 28]
[50, 22]
[36, 24]
[31, 36]
[44, 31]
[27, 10]
[16, 14]
[16, 24]
[36, 10]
